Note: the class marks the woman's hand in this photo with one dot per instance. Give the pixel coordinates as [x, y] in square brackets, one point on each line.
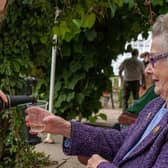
[95, 160]
[53, 124]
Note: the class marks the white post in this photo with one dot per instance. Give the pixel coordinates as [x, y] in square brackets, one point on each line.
[52, 82]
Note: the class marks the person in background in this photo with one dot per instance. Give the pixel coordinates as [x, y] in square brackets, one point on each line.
[145, 57]
[143, 144]
[147, 94]
[137, 106]
[133, 77]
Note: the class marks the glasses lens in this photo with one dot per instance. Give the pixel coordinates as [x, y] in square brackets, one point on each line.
[151, 61]
[154, 59]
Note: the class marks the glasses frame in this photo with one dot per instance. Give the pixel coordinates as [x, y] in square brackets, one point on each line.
[154, 59]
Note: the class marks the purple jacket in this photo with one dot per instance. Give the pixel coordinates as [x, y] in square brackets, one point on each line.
[112, 144]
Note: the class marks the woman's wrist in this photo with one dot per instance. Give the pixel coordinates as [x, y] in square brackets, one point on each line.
[67, 129]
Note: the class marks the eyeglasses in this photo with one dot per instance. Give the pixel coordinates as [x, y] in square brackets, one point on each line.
[154, 59]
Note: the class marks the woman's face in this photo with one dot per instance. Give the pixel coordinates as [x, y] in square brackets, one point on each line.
[159, 70]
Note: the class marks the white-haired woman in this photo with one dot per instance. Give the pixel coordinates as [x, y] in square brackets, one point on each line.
[142, 145]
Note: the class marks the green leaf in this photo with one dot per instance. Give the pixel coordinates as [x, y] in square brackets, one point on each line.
[119, 2]
[103, 116]
[135, 27]
[113, 8]
[91, 35]
[68, 37]
[74, 80]
[77, 48]
[66, 50]
[43, 39]
[77, 22]
[157, 2]
[75, 66]
[130, 3]
[64, 29]
[58, 85]
[70, 96]
[75, 29]
[27, 2]
[126, 1]
[80, 98]
[92, 119]
[16, 67]
[88, 20]
[56, 30]
[60, 100]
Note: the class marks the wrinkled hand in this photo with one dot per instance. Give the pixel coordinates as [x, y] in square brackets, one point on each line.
[53, 124]
[95, 160]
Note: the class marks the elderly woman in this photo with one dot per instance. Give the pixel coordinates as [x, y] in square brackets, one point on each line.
[142, 145]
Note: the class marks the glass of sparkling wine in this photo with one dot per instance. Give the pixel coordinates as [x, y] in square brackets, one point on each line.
[36, 118]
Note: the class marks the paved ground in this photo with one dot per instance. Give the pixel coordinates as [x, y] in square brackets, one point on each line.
[55, 150]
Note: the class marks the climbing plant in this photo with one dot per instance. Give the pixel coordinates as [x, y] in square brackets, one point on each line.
[90, 34]
[24, 51]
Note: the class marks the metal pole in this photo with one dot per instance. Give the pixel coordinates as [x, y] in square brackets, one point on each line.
[52, 82]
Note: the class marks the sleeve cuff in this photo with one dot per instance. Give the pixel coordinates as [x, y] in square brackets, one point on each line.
[106, 165]
[67, 145]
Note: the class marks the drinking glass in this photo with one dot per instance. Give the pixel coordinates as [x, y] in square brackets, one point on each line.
[36, 118]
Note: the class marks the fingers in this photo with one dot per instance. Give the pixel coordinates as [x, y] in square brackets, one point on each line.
[27, 121]
[95, 160]
[33, 133]
[3, 97]
[32, 108]
[36, 109]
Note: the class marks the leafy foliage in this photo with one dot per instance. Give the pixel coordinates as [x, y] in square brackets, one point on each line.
[14, 151]
[90, 34]
[24, 51]
[89, 38]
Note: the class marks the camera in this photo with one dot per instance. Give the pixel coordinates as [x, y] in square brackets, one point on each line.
[16, 100]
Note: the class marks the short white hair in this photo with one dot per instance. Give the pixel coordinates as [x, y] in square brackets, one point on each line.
[160, 30]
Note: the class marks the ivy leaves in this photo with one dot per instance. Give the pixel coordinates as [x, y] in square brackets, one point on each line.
[67, 30]
[88, 20]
